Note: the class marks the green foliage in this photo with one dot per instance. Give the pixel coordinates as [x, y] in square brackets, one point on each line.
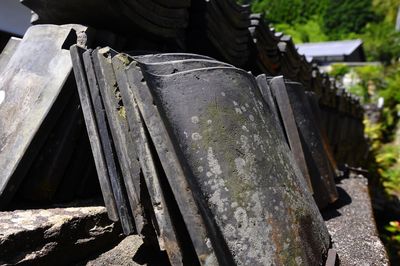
[388, 161]
[394, 227]
[381, 42]
[339, 70]
[342, 17]
[372, 80]
[386, 10]
[391, 92]
[243, 2]
[393, 238]
[360, 91]
[289, 11]
[284, 11]
[368, 73]
[315, 21]
[309, 31]
[386, 168]
[374, 133]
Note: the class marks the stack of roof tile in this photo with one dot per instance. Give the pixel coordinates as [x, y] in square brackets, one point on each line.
[267, 53]
[193, 140]
[225, 25]
[205, 161]
[42, 132]
[160, 18]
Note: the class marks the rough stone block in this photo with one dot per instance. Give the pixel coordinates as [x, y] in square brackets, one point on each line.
[57, 236]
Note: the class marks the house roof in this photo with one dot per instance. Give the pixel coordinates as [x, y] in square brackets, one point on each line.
[325, 49]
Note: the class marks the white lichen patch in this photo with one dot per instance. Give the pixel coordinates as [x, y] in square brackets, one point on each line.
[244, 141]
[299, 261]
[286, 245]
[216, 198]
[208, 243]
[195, 119]
[211, 260]
[230, 231]
[216, 183]
[238, 110]
[257, 139]
[256, 204]
[196, 136]
[241, 217]
[249, 227]
[240, 164]
[213, 162]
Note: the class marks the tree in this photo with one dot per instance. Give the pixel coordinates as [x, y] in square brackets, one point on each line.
[345, 16]
[289, 11]
[381, 42]
[387, 9]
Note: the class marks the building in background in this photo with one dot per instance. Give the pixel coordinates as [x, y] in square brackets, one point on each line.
[325, 53]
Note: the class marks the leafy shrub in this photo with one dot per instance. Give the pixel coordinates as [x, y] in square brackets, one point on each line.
[391, 90]
[393, 238]
[309, 31]
[386, 10]
[345, 16]
[381, 42]
[339, 70]
[289, 11]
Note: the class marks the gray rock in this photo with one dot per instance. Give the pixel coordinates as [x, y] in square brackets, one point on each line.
[120, 255]
[54, 236]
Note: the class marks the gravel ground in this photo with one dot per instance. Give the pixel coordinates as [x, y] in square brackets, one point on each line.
[352, 225]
